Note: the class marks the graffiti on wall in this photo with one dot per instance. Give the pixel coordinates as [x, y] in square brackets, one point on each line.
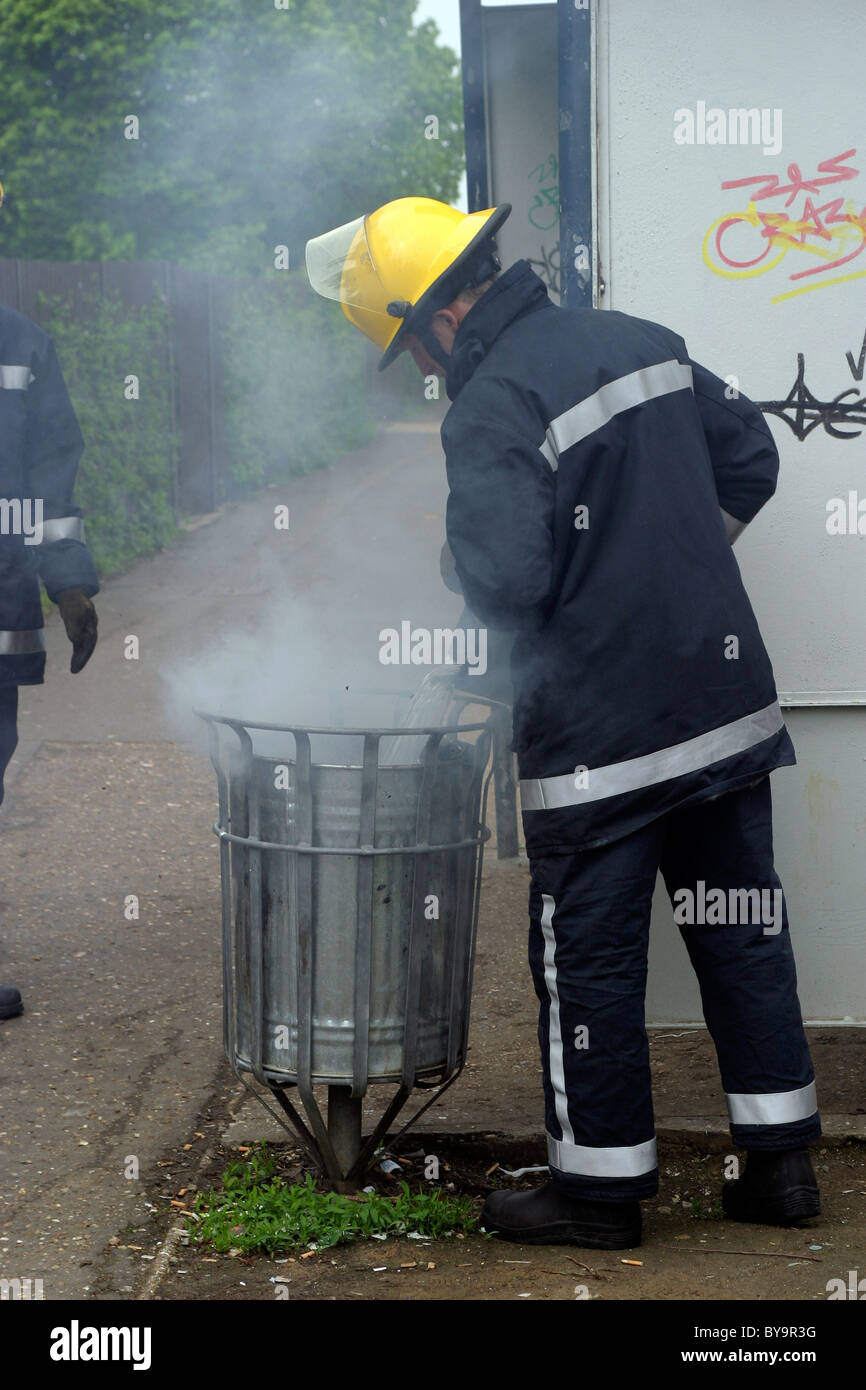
[824, 236]
[548, 266]
[542, 212]
[544, 209]
[803, 412]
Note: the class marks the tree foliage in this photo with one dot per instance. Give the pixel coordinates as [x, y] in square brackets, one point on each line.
[258, 126]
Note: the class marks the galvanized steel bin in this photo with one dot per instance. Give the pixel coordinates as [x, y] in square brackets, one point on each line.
[350, 902]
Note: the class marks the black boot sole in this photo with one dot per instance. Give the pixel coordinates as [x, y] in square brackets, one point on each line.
[571, 1233]
[788, 1209]
[11, 1013]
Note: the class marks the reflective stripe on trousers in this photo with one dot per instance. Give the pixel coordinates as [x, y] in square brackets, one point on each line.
[625, 1161]
[557, 1073]
[629, 1161]
[773, 1107]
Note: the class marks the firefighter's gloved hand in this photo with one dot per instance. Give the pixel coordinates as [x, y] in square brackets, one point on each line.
[79, 619]
[447, 570]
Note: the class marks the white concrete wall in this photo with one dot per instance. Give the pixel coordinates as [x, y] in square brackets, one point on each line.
[656, 201]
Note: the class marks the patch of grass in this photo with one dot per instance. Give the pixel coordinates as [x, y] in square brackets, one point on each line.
[257, 1212]
[712, 1212]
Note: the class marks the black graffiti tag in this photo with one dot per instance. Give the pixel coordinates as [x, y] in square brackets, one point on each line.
[803, 412]
[548, 267]
[857, 372]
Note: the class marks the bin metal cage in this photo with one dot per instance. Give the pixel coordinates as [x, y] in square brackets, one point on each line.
[350, 893]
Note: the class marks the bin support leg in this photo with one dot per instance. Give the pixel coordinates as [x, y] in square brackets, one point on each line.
[344, 1130]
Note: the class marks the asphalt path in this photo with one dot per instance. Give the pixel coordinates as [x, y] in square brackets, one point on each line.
[109, 874]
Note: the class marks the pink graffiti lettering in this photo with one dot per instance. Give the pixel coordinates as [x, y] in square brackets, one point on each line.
[834, 232]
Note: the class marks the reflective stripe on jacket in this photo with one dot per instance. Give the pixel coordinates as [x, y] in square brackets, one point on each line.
[597, 477]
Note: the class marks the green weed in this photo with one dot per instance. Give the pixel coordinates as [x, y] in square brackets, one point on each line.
[257, 1212]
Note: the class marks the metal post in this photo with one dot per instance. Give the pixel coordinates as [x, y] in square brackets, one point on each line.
[344, 1129]
[474, 123]
[575, 152]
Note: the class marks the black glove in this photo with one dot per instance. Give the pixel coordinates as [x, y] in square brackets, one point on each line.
[79, 619]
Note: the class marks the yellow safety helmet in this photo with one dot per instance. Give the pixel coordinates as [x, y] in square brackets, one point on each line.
[393, 269]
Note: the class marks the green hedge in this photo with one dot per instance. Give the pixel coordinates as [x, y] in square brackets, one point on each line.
[295, 397]
[295, 383]
[125, 480]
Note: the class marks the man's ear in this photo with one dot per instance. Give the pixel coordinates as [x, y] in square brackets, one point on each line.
[447, 320]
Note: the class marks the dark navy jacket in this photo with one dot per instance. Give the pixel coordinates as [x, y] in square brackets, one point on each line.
[40, 445]
[597, 479]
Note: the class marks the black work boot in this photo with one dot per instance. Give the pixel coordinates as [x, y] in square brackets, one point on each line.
[778, 1188]
[10, 1001]
[550, 1216]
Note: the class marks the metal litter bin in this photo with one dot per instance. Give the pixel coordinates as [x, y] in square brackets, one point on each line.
[349, 909]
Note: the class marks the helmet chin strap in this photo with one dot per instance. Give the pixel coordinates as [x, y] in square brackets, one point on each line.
[402, 309]
[486, 265]
[432, 345]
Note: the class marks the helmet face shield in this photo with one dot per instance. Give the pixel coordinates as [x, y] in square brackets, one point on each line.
[328, 256]
[341, 266]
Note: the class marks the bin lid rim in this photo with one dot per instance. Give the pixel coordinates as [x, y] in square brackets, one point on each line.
[386, 731]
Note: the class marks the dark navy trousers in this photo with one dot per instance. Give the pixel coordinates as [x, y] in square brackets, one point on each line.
[589, 930]
[8, 727]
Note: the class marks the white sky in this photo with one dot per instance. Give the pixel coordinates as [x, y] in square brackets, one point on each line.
[447, 15]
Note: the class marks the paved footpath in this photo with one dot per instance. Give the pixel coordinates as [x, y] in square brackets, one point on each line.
[120, 1044]
[119, 1051]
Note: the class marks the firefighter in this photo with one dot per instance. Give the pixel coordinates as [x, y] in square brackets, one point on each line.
[41, 531]
[597, 479]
